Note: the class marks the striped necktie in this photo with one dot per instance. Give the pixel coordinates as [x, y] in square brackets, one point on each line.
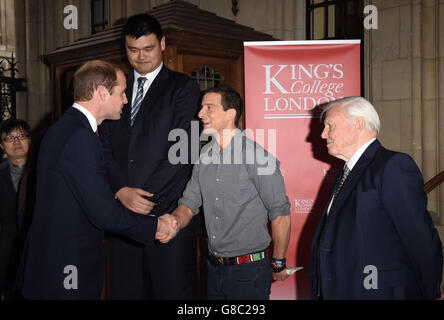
[139, 97]
[339, 187]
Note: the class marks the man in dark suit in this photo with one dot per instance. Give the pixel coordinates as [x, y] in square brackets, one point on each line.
[375, 239]
[64, 257]
[15, 140]
[141, 175]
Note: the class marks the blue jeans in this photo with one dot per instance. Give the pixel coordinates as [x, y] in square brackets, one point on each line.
[249, 281]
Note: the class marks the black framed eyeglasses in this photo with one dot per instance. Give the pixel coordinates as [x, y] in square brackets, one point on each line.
[11, 138]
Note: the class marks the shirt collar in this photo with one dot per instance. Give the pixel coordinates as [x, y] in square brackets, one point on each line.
[357, 155]
[91, 119]
[15, 168]
[212, 149]
[150, 76]
[236, 138]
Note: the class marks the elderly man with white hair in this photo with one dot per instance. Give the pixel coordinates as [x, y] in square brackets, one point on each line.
[375, 238]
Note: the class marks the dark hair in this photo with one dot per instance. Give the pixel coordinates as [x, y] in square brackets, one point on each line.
[142, 25]
[90, 76]
[9, 125]
[230, 99]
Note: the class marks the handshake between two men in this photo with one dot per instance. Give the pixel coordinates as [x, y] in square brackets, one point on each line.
[134, 199]
[167, 228]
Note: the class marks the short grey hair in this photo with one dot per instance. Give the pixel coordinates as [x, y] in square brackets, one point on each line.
[355, 107]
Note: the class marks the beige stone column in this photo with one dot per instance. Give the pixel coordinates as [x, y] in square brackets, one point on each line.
[300, 20]
[7, 28]
[41, 28]
[429, 99]
[416, 142]
[440, 97]
[35, 71]
[283, 19]
[10, 40]
[404, 75]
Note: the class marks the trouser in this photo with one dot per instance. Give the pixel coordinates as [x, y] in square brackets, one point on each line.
[249, 281]
[159, 271]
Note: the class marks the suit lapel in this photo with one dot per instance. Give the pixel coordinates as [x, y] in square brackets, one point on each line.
[157, 85]
[353, 178]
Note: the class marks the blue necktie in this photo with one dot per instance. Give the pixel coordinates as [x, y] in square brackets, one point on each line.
[139, 97]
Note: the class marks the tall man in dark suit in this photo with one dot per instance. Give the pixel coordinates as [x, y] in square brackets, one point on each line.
[375, 239]
[65, 254]
[141, 175]
[15, 140]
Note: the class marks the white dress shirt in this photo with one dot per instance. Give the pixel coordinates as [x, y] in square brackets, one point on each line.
[352, 161]
[357, 155]
[150, 78]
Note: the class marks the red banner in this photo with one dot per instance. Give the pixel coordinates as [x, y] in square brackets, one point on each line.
[285, 82]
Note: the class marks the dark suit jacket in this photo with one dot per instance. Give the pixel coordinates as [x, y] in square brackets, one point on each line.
[138, 156]
[8, 228]
[379, 219]
[74, 203]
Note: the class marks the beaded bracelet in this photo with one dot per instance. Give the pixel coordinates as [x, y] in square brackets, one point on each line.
[278, 265]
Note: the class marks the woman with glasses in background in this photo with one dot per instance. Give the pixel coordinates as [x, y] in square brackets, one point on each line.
[15, 141]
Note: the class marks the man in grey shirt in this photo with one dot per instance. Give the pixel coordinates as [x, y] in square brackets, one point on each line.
[240, 193]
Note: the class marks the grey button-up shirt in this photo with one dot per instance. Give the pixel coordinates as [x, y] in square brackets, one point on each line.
[241, 188]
